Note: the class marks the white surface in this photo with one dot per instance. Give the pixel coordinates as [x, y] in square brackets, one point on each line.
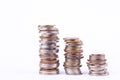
[96, 22]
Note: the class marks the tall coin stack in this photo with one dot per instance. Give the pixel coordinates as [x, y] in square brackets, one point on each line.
[48, 49]
[73, 55]
[97, 65]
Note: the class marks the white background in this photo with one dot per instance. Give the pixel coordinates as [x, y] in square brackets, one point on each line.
[95, 22]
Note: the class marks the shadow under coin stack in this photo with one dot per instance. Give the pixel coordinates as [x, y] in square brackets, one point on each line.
[73, 55]
[97, 65]
[48, 49]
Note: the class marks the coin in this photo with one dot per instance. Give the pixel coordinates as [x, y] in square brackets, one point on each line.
[72, 48]
[97, 64]
[49, 65]
[47, 27]
[48, 56]
[72, 63]
[72, 40]
[99, 74]
[73, 55]
[97, 57]
[72, 60]
[73, 71]
[49, 38]
[49, 71]
[44, 51]
[48, 49]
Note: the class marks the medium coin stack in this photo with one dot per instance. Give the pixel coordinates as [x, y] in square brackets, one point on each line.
[73, 55]
[48, 49]
[97, 64]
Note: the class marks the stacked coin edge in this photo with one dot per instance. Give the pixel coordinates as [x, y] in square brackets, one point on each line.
[49, 63]
[73, 55]
[97, 65]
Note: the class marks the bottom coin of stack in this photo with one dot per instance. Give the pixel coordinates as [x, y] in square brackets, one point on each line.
[49, 64]
[97, 65]
[72, 56]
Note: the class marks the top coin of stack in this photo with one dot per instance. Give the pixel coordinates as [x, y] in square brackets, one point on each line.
[48, 49]
[97, 64]
[73, 55]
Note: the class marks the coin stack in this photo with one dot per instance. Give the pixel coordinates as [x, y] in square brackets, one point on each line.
[73, 55]
[48, 49]
[97, 64]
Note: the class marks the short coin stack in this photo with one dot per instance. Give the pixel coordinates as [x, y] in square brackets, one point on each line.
[48, 49]
[97, 65]
[73, 55]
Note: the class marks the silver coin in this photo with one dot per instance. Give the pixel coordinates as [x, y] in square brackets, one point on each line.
[49, 33]
[47, 27]
[97, 62]
[72, 64]
[97, 57]
[48, 56]
[75, 44]
[48, 51]
[73, 48]
[77, 57]
[96, 68]
[72, 60]
[49, 72]
[69, 38]
[98, 74]
[49, 44]
[49, 47]
[92, 64]
[46, 40]
[73, 71]
[49, 66]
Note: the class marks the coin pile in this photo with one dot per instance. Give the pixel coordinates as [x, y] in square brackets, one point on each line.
[48, 49]
[97, 64]
[73, 55]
